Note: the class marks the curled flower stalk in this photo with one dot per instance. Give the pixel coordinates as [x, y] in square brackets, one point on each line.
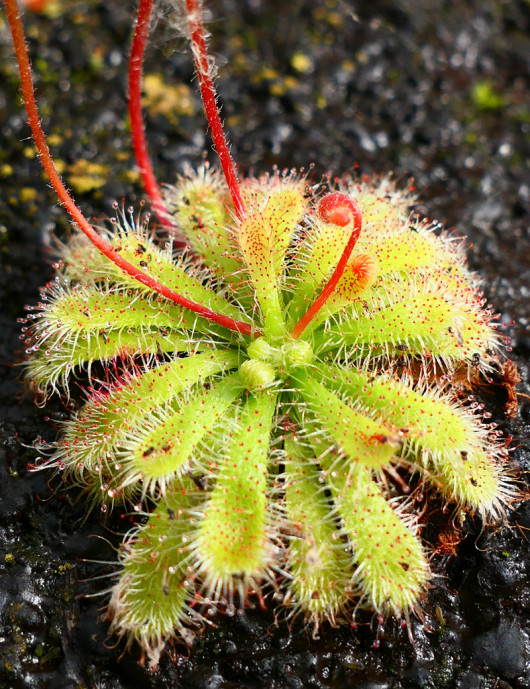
[275, 396]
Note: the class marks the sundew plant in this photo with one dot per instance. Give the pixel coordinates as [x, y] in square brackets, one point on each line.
[280, 387]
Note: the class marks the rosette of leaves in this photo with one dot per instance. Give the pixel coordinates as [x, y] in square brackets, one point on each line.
[277, 455]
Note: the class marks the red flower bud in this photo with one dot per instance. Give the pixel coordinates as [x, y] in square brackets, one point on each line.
[339, 209]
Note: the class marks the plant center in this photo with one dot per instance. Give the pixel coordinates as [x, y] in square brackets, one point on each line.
[269, 363]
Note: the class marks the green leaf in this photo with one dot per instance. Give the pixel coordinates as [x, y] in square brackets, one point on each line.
[424, 324]
[168, 439]
[93, 436]
[392, 569]
[437, 432]
[85, 263]
[201, 206]
[318, 562]
[363, 440]
[80, 325]
[149, 602]
[233, 543]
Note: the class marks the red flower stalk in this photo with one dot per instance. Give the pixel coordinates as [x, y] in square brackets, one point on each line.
[338, 209]
[66, 199]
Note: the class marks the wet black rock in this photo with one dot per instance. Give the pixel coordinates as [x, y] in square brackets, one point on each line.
[504, 649]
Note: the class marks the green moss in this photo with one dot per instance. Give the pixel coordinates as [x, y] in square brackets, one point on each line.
[485, 97]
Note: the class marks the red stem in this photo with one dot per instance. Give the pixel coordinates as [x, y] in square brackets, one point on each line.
[39, 137]
[334, 279]
[141, 31]
[209, 98]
